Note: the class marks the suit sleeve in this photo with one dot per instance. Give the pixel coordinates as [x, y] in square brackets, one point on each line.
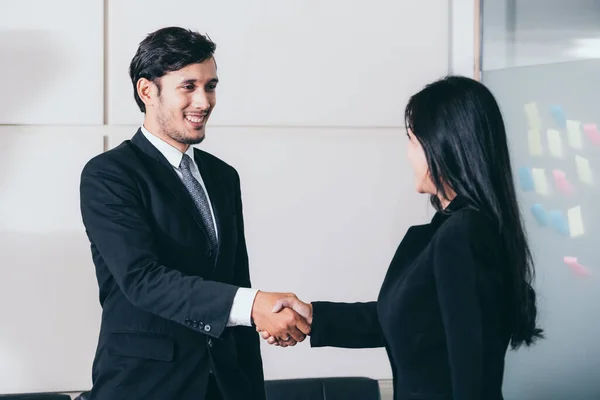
[346, 325]
[456, 266]
[246, 338]
[117, 225]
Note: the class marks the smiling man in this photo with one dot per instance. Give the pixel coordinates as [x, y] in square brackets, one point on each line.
[167, 237]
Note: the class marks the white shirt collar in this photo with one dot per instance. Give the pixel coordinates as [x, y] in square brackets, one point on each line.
[172, 154]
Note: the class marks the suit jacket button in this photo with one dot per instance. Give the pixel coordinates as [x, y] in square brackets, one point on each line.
[208, 253]
[207, 328]
[188, 322]
[195, 324]
[209, 342]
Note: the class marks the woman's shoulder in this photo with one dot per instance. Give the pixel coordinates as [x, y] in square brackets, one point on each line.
[468, 223]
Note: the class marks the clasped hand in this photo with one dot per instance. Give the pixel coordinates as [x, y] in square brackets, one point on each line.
[281, 318]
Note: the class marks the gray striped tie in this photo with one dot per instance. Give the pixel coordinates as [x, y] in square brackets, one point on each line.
[199, 197]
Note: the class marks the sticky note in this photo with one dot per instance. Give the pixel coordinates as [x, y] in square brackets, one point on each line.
[534, 138]
[525, 179]
[583, 170]
[575, 222]
[539, 213]
[540, 184]
[533, 116]
[576, 267]
[559, 116]
[591, 130]
[559, 222]
[561, 182]
[555, 143]
[574, 134]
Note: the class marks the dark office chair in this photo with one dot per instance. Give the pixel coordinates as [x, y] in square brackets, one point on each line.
[35, 396]
[323, 389]
[315, 389]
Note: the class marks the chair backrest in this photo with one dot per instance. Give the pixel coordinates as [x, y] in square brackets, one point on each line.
[35, 396]
[299, 389]
[323, 389]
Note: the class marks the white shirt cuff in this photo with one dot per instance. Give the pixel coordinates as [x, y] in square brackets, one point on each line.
[241, 309]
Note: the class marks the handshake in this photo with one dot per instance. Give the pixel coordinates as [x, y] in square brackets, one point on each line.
[281, 318]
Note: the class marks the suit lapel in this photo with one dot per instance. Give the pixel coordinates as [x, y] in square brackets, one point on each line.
[165, 174]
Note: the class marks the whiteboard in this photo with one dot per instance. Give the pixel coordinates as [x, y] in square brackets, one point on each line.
[565, 365]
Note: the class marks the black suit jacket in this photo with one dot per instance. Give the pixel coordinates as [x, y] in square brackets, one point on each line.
[441, 313]
[165, 295]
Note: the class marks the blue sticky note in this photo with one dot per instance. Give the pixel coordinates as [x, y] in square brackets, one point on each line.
[559, 116]
[539, 214]
[526, 179]
[559, 222]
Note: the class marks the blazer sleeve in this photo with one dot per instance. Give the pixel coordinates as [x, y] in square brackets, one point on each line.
[456, 268]
[246, 338]
[117, 225]
[347, 325]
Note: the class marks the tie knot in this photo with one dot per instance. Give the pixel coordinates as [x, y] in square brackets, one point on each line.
[186, 163]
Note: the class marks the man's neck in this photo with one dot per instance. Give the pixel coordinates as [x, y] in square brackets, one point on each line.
[156, 131]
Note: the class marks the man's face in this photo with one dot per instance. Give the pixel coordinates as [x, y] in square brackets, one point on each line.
[182, 103]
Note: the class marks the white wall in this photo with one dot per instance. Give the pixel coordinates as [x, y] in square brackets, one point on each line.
[51, 70]
[463, 56]
[310, 112]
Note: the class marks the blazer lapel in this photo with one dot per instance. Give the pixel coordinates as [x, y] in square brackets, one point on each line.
[168, 177]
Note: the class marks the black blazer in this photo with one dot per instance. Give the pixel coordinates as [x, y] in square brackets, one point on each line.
[165, 296]
[441, 313]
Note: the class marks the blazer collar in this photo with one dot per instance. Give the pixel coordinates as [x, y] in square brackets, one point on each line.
[165, 174]
[458, 203]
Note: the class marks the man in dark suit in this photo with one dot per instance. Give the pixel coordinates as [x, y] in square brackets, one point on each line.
[167, 238]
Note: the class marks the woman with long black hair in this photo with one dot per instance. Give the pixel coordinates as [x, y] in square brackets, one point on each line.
[459, 290]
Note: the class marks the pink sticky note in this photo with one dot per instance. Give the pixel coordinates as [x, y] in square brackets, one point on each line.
[561, 182]
[576, 267]
[591, 130]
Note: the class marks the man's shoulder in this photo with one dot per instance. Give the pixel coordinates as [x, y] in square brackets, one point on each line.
[117, 159]
[214, 162]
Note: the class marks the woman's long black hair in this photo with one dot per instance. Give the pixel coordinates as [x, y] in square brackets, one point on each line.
[459, 125]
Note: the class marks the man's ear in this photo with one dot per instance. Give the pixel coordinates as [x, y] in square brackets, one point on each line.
[148, 91]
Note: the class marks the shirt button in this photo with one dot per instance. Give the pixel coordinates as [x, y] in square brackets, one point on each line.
[207, 328]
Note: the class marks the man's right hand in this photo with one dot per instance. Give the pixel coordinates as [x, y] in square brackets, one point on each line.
[291, 302]
[287, 325]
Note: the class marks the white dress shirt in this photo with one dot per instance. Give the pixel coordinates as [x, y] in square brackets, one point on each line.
[241, 310]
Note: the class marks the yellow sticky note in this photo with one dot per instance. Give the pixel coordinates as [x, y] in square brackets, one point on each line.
[533, 116]
[535, 142]
[540, 183]
[555, 143]
[575, 222]
[574, 134]
[583, 170]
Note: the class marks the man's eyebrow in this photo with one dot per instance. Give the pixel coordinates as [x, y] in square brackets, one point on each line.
[194, 81]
